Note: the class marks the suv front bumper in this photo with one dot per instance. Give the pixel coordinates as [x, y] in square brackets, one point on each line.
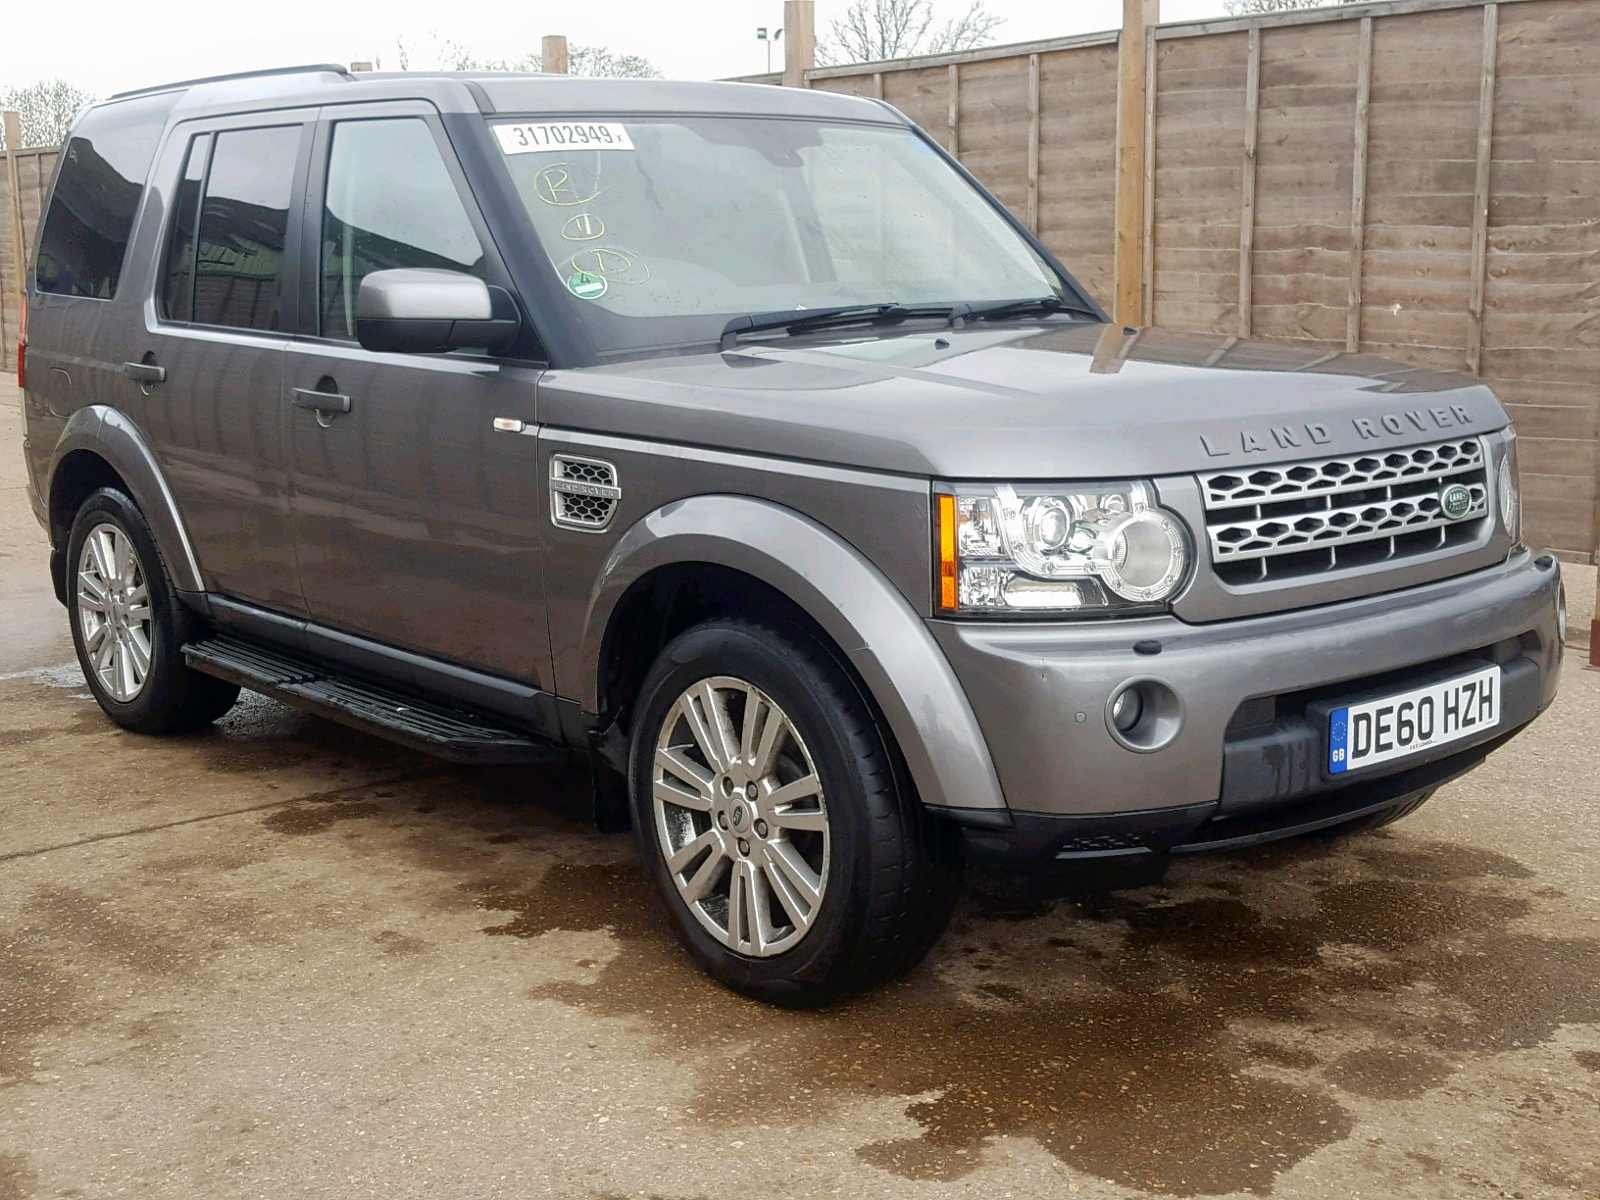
[1247, 761]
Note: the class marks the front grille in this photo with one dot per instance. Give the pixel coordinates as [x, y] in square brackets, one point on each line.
[1302, 519]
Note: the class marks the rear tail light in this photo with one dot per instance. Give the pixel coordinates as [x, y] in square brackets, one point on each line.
[22, 347]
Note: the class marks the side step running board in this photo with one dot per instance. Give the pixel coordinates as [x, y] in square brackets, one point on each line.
[448, 733]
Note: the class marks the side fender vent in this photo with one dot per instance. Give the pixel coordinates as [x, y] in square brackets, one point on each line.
[583, 492]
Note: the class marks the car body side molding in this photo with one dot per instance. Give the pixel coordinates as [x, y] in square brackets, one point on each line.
[883, 637]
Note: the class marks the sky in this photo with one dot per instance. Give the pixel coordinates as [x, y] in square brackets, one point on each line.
[106, 46]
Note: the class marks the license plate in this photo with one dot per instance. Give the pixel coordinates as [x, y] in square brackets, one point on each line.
[1380, 731]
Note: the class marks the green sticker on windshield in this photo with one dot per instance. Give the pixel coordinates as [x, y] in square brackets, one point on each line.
[586, 286]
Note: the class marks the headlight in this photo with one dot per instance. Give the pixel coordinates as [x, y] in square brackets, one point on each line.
[1510, 488]
[1093, 549]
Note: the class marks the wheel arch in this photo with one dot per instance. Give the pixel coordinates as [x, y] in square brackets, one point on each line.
[752, 548]
[102, 447]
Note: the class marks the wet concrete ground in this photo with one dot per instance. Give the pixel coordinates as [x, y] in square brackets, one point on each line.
[281, 960]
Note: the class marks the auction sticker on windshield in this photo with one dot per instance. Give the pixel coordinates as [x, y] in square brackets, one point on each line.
[1363, 735]
[544, 137]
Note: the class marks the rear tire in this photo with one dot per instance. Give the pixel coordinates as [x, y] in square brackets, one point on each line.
[128, 626]
[798, 866]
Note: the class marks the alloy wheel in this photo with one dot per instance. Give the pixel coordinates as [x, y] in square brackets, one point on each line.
[740, 816]
[115, 619]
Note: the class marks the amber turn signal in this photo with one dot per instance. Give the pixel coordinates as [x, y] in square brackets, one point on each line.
[946, 523]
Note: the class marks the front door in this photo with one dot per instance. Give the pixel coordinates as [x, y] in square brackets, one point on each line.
[416, 520]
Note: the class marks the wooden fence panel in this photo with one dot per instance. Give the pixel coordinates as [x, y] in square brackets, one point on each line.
[992, 131]
[34, 169]
[924, 96]
[1199, 153]
[1304, 168]
[1541, 323]
[1422, 149]
[1078, 163]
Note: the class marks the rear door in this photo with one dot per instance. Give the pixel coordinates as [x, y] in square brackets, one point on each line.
[416, 519]
[224, 303]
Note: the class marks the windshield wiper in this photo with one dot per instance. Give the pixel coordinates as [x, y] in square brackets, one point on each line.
[879, 315]
[803, 320]
[1001, 310]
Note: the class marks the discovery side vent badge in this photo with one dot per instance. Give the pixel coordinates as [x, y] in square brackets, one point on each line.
[583, 492]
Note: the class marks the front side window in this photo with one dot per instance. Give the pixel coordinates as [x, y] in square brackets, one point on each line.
[239, 267]
[97, 193]
[391, 203]
[660, 230]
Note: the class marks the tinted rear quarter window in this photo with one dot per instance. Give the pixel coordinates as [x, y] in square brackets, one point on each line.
[244, 221]
[103, 171]
[177, 290]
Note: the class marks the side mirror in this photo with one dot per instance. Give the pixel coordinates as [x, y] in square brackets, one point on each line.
[419, 310]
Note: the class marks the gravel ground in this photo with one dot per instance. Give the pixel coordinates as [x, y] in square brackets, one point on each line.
[282, 960]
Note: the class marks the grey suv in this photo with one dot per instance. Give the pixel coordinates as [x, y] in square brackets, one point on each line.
[734, 439]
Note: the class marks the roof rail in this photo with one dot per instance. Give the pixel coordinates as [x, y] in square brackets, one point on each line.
[335, 68]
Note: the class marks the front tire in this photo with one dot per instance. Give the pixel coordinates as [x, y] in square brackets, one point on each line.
[128, 627]
[776, 825]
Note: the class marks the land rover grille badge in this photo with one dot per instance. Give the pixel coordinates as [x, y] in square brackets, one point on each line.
[1456, 501]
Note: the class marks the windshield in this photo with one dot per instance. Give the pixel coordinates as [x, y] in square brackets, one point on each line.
[661, 230]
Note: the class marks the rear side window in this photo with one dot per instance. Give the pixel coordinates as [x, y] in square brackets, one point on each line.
[97, 193]
[238, 266]
[390, 203]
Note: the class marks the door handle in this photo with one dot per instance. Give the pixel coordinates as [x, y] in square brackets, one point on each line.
[144, 374]
[321, 402]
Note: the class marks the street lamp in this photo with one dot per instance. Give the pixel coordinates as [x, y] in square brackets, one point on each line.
[761, 36]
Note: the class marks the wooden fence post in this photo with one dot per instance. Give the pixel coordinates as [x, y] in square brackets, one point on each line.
[1133, 82]
[1033, 144]
[1480, 195]
[1247, 206]
[1147, 249]
[954, 115]
[1358, 188]
[12, 124]
[553, 55]
[799, 41]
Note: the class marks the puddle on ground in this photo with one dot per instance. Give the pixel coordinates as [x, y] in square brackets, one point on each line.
[12, 739]
[1192, 1039]
[67, 942]
[1106, 1030]
[302, 818]
[15, 1178]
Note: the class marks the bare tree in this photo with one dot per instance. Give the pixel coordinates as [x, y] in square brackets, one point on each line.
[47, 109]
[581, 60]
[1244, 8]
[875, 30]
[597, 60]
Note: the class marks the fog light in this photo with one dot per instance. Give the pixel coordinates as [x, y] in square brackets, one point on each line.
[1144, 715]
[1126, 709]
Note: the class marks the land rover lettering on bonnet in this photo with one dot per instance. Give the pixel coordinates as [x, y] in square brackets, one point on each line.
[734, 441]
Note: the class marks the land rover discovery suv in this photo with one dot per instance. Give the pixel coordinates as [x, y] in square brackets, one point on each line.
[734, 439]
